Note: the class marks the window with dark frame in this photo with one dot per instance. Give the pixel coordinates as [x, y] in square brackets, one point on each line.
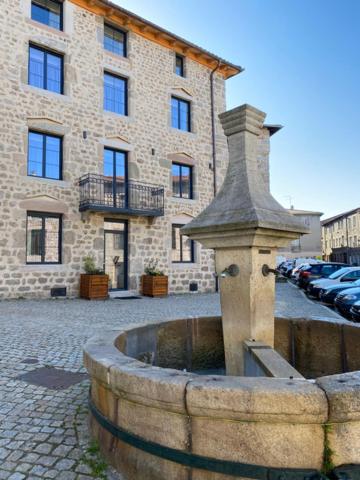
[179, 65]
[48, 12]
[180, 114]
[43, 238]
[115, 40]
[182, 184]
[115, 94]
[44, 155]
[183, 249]
[45, 69]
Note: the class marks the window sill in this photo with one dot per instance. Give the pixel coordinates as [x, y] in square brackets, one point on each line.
[182, 132]
[47, 28]
[184, 265]
[182, 77]
[48, 181]
[46, 93]
[41, 267]
[126, 118]
[116, 56]
[188, 201]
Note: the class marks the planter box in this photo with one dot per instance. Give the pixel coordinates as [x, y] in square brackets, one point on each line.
[94, 287]
[154, 285]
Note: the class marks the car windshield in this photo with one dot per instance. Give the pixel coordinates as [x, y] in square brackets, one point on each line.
[338, 273]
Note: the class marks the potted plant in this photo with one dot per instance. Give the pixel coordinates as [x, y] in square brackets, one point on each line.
[154, 282]
[94, 283]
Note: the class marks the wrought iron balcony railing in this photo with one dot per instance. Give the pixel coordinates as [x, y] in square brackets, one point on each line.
[106, 194]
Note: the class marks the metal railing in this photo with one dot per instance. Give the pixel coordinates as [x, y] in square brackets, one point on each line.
[102, 193]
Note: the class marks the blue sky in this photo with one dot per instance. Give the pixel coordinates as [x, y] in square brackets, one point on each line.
[302, 67]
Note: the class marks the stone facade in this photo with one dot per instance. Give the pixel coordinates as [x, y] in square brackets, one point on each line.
[79, 118]
[341, 237]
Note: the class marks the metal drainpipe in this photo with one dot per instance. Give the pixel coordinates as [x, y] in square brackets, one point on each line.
[213, 124]
[212, 101]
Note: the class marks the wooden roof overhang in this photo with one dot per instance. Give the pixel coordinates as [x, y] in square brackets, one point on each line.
[130, 21]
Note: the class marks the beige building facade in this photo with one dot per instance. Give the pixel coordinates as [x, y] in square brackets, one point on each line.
[309, 245]
[341, 237]
[110, 142]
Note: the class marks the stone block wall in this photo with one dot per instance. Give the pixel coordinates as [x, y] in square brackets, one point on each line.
[145, 134]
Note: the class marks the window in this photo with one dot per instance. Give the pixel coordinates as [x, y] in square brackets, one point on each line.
[43, 238]
[182, 247]
[114, 40]
[115, 94]
[182, 181]
[180, 114]
[179, 66]
[45, 69]
[350, 277]
[49, 12]
[44, 156]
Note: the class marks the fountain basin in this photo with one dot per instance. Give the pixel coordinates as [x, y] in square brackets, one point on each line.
[171, 420]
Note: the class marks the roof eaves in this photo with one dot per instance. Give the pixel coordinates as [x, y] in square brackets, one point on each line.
[273, 128]
[340, 215]
[110, 4]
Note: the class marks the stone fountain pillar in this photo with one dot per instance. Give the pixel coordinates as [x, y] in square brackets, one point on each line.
[245, 226]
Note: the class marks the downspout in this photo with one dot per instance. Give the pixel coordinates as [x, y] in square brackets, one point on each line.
[212, 102]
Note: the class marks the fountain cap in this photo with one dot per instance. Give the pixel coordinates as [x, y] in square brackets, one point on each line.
[244, 202]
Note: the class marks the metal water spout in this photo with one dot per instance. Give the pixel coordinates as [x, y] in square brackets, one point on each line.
[245, 225]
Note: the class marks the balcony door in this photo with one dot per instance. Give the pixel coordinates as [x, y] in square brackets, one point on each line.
[115, 178]
[116, 253]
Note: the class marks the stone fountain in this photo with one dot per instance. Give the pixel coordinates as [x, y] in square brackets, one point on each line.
[245, 226]
[289, 404]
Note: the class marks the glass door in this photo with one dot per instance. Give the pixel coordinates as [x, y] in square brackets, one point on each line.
[115, 253]
[115, 178]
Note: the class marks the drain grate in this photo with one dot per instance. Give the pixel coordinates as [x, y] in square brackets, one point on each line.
[30, 361]
[133, 297]
[53, 378]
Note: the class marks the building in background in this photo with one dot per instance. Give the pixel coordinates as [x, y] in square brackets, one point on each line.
[308, 245]
[341, 237]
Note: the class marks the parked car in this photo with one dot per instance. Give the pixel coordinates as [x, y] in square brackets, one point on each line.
[317, 271]
[327, 295]
[345, 300]
[296, 271]
[355, 312]
[284, 266]
[346, 274]
[288, 271]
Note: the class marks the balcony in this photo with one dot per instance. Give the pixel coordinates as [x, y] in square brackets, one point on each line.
[104, 194]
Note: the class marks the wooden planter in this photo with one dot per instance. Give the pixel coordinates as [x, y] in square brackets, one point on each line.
[94, 287]
[154, 285]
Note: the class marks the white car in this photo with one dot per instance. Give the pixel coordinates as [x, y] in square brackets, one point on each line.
[296, 272]
[346, 274]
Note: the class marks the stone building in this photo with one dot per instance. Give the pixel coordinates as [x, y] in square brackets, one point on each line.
[110, 142]
[308, 245]
[341, 237]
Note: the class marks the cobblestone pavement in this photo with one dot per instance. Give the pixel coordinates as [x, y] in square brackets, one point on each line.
[43, 432]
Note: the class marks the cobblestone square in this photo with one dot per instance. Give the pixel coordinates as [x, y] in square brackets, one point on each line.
[43, 432]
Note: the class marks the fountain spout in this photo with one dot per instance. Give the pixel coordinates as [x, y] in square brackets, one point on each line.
[245, 226]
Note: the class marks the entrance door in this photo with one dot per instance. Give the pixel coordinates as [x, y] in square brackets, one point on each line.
[115, 253]
[115, 173]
